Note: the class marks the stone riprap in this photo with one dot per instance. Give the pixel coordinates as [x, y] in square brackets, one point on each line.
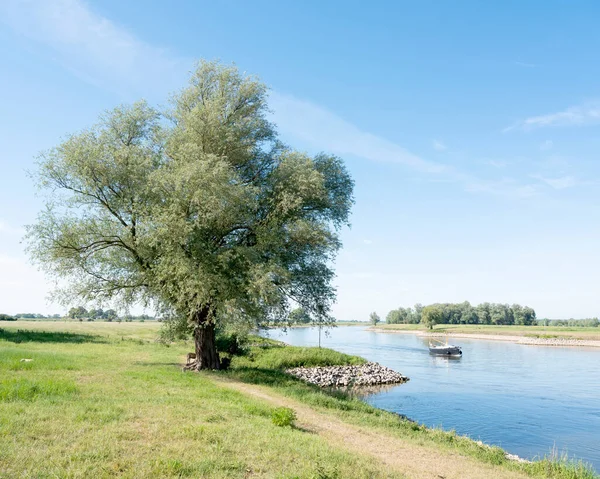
[369, 374]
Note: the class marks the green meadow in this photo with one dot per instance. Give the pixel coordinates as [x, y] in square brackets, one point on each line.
[108, 400]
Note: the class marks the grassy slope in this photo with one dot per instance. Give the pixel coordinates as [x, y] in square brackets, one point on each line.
[528, 331]
[104, 400]
[98, 406]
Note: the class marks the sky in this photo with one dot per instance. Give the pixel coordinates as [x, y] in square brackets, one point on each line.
[470, 129]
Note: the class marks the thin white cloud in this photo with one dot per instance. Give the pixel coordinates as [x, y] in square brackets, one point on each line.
[439, 146]
[325, 130]
[316, 125]
[94, 48]
[507, 187]
[367, 241]
[558, 183]
[547, 145]
[581, 115]
[497, 163]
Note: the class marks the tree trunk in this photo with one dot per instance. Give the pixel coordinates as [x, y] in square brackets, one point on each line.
[207, 356]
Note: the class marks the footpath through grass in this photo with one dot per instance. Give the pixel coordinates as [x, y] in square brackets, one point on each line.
[106, 400]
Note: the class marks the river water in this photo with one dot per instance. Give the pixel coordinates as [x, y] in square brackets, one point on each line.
[529, 400]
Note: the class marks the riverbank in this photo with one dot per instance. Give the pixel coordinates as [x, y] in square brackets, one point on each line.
[529, 335]
[97, 402]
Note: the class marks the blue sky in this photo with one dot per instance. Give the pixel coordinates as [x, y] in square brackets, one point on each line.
[471, 130]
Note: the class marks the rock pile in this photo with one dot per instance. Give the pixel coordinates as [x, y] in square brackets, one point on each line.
[514, 457]
[369, 374]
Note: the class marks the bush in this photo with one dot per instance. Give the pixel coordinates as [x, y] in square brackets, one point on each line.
[283, 416]
[229, 343]
[6, 317]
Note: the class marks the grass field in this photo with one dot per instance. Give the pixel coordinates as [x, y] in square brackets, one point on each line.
[526, 331]
[107, 400]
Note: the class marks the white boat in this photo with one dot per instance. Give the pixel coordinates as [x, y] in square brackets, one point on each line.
[444, 349]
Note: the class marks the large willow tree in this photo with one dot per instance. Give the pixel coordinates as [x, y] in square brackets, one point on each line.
[199, 209]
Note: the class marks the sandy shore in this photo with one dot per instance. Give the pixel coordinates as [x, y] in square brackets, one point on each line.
[500, 337]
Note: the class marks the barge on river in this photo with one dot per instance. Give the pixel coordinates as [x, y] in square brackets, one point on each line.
[444, 349]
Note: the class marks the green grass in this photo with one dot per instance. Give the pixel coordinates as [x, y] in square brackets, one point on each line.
[23, 389]
[272, 356]
[116, 404]
[106, 400]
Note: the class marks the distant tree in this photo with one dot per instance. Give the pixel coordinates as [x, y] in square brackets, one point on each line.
[201, 211]
[432, 315]
[529, 317]
[394, 317]
[299, 316]
[469, 315]
[416, 314]
[374, 318]
[110, 315]
[78, 313]
[96, 314]
[484, 313]
[7, 317]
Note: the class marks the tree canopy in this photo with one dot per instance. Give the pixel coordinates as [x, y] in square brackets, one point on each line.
[465, 313]
[199, 210]
[432, 315]
[374, 318]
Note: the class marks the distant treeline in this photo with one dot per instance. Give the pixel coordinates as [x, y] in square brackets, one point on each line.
[82, 313]
[577, 323]
[465, 313]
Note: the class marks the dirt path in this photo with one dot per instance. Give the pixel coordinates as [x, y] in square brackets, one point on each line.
[412, 460]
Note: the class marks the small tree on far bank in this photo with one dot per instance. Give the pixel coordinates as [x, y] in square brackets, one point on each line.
[432, 315]
[374, 318]
[299, 316]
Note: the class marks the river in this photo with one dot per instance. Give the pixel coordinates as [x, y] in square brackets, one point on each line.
[529, 400]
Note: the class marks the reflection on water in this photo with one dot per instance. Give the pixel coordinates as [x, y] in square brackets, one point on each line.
[526, 399]
[363, 392]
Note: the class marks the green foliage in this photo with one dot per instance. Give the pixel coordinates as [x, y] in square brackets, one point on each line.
[6, 317]
[573, 323]
[432, 315]
[198, 210]
[299, 316]
[464, 313]
[31, 316]
[283, 417]
[230, 343]
[374, 318]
